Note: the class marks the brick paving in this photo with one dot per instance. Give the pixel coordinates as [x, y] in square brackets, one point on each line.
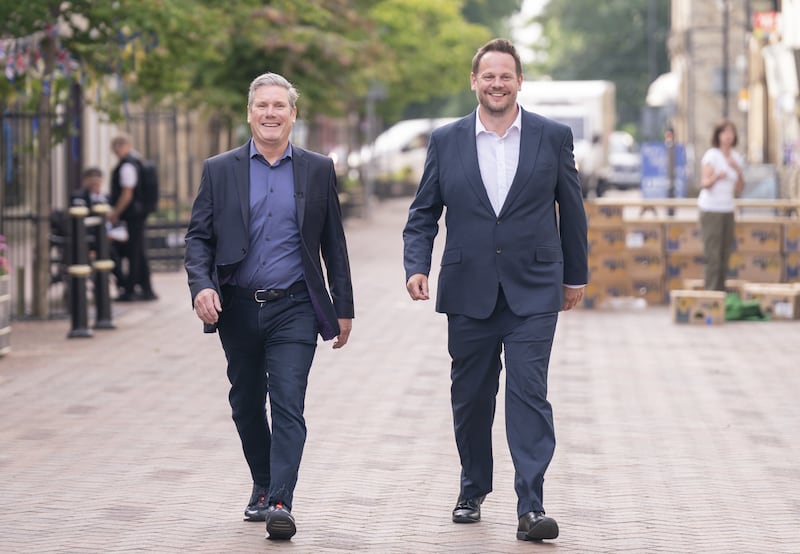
[670, 438]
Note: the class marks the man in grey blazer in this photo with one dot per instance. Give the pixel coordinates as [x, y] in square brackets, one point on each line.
[264, 214]
[515, 255]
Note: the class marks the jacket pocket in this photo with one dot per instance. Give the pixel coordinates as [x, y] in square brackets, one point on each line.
[451, 257]
[549, 254]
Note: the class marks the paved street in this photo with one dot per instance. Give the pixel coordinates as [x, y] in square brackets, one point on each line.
[670, 438]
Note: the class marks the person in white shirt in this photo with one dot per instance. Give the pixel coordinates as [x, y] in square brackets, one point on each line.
[721, 181]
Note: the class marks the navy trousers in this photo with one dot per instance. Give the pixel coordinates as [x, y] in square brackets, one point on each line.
[475, 347]
[269, 347]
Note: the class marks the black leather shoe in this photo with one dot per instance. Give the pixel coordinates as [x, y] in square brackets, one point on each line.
[535, 526]
[280, 523]
[468, 510]
[258, 507]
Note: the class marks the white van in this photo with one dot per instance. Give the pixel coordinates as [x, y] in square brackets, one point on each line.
[395, 160]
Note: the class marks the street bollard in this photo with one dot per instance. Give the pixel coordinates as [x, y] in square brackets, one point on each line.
[78, 271]
[103, 265]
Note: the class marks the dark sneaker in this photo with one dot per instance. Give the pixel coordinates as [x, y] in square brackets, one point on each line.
[258, 507]
[280, 523]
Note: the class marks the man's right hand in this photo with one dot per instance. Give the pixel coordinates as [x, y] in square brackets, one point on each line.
[207, 306]
[417, 287]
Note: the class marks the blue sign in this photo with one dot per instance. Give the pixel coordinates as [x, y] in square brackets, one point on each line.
[655, 173]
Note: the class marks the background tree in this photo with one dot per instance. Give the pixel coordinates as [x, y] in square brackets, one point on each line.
[50, 45]
[492, 14]
[429, 44]
[617, 40]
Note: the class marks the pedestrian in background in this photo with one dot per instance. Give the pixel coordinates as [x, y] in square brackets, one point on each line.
[721, 182]
[90, 194]
[128, 206]
[264, 214]
[515, 254]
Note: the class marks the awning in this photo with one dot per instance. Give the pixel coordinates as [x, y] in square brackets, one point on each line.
[780, 70]
[664, 90]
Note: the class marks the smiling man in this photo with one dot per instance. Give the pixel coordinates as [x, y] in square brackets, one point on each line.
[264, 215]
[515, 255]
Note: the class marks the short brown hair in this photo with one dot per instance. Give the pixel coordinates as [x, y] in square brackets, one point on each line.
[497, 45]
[91, 172]
[718, 131]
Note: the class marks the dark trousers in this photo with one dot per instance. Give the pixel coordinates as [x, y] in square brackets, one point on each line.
[269, 347]
[475, 348]
[136, 252]
[718, 231]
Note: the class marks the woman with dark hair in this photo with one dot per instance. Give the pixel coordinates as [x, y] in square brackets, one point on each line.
[721, 181]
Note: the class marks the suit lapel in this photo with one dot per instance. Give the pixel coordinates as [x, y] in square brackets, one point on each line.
[530, 138]
[241, 175]
[300, 170]
[469, 159]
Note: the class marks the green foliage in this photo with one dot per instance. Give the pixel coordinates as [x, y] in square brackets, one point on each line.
[611, 40]
[492, 14]
[326, 48]
[204, 53]
[431, 48]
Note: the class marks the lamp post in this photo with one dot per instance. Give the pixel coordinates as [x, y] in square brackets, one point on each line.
[726, 9]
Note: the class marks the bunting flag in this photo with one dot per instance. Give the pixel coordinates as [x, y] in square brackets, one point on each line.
[22, 56]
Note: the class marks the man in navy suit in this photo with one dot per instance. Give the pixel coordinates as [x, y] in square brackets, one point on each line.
[515, 255]
[264, 214]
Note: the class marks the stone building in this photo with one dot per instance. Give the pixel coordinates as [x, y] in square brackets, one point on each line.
[736, 60]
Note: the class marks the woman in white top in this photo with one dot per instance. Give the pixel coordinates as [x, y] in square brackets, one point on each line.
[721, 182]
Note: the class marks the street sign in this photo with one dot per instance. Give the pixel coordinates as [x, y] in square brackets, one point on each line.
[655, 170]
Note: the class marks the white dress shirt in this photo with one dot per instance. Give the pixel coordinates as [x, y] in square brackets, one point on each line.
[498, 158]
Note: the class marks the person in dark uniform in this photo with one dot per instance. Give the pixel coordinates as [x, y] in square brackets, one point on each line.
[128, 206]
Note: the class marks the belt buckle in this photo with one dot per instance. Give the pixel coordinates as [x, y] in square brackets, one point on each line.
[266, 295]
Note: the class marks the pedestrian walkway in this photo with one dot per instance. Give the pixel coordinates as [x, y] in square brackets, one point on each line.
[670, 438]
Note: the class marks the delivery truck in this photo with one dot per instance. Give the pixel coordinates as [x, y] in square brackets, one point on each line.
[587, 107]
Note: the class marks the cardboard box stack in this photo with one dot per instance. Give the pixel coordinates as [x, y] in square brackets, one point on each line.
[607, 261]
[652, 258]
[791, 251]
[731, 285]
[757, 255]
[777, 300]
[683, 249]
[644, 245]
[698, 307]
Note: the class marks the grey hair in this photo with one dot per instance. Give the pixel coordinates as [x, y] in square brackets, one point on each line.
[272, 79]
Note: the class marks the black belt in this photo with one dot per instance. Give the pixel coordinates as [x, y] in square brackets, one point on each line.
[265, 295]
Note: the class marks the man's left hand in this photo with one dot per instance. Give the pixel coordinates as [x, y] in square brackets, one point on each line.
[572, 297]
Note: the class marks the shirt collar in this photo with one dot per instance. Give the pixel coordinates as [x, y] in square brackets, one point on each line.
[479, 127]
[255, 153]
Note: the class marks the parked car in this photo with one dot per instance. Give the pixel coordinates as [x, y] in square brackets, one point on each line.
[624, 163]
[395, 160]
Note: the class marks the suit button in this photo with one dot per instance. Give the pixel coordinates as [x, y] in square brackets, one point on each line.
[499, 250]
[498, 222]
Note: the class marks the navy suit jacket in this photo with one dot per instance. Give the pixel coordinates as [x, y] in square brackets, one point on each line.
[218, 237]
[533, 247]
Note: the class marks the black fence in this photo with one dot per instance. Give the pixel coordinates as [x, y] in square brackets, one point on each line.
[20, 190]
